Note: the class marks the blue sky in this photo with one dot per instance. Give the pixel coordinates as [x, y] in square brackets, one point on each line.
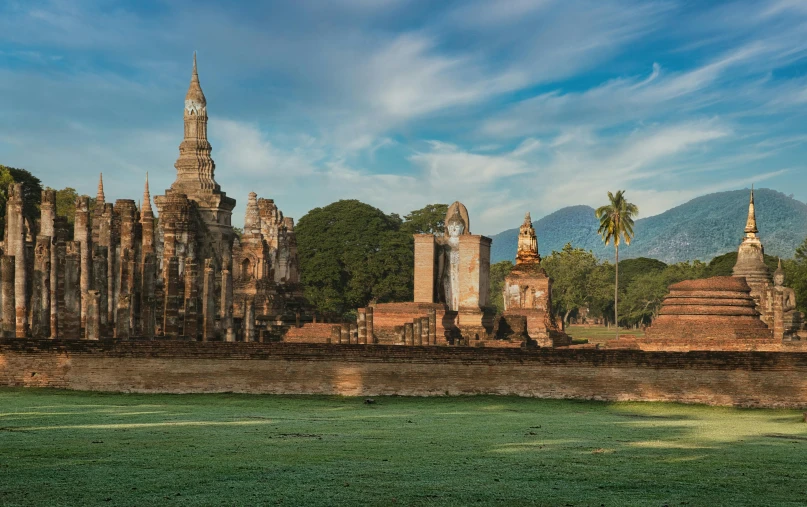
[507, 106]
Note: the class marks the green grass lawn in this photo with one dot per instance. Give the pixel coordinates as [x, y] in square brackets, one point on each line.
[599, 334]
[74, 448]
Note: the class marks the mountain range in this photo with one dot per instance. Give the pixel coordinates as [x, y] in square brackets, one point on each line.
[701, 229]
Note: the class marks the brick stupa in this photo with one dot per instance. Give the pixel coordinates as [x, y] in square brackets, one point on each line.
[527, 294]
[720, 308]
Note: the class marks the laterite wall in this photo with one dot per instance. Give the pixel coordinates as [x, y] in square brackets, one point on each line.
[767, 379]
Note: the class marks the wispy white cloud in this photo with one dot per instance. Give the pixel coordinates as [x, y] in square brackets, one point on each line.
[505, 104]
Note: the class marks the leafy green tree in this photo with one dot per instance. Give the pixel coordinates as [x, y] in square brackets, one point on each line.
[600, 293]
[631, 268]
[31, 191]
[796, 275]
[616, 225]
[641, 300]
[351, 254]
[570, 270]
[66, 203]
[5, 180]
[498, 272]
[428, 220]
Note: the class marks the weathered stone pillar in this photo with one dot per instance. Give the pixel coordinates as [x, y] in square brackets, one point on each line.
[47, 228]
[47, 213]
[370, 330]
[361, 322]
[336, 334]
[70, 314]
[418, 332]
[56, 271]
[192, 306]
[108, 238]
[227, 305]
[148, 298]
[433, 326]
[100, 270]
[424, 331]
[249, 320]
[173, 301]
[7, 268]
[14, 245]
[40, 294]
[209, 302]
[425, 268]
[354, 334]
[408, 333]
[83, 235]
[92, 328]
[122, 322]
[345, 333]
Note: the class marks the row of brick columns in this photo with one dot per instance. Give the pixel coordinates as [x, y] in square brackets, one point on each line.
[421, 331]
[103, 283]
[362, 332]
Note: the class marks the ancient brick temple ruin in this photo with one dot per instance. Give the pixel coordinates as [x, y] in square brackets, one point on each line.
[452, 277]
[527, 295]
[775, 303]
[125, 274]
[715, 309]
[747, 311]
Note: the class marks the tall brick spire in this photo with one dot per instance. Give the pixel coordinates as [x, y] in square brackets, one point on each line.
[195, 170]
[751, 223]
[146, 210]
[194, 166]
[100, 198]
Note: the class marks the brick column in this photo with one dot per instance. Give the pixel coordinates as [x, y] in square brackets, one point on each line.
[361, 322]
[99, 283]
[40, 294]
[425, 268]
[208, 302]
[370, 330]
[7, 267]
[92, 329]
[70, 311]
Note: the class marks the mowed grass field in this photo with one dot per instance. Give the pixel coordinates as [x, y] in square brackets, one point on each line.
[74, 448]
[600, 334]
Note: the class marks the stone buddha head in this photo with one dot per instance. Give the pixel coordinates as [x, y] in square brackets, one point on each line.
[455, 225]
[779, 275]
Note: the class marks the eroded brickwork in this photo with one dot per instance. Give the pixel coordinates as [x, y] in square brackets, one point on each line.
[753, 379]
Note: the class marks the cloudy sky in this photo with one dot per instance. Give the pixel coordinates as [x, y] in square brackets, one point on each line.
[505, 105]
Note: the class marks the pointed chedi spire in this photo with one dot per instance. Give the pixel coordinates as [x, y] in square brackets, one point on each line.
[751, 222]
[100, 199]
[252, 217]
[146, 205]
[527, 252]
[195, 94]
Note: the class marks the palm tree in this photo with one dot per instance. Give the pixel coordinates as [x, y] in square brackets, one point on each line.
[616, 224]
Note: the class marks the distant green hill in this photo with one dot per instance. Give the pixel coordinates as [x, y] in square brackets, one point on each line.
[703, 228]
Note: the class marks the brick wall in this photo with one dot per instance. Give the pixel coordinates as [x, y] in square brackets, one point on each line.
[764, 379]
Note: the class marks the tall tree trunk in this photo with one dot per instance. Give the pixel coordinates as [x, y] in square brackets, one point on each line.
[616, 291]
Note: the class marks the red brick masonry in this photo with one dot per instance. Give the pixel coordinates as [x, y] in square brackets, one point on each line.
[759, 379]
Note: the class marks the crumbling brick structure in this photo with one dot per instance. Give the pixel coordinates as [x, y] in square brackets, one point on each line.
[125, 274]
[527, 293]
[775, 303]
[452, 277]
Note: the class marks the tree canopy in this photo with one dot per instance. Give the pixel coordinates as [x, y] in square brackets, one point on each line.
[352, 254]
[427, 220]
[31, 191]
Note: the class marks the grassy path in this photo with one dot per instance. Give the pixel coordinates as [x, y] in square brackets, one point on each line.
[72, 448]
